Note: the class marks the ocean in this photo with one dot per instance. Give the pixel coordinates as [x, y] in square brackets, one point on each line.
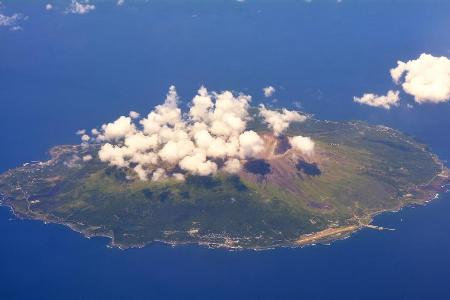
[64, 72]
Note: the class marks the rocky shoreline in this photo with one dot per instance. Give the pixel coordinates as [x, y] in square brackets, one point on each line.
[429, 191]
[24, 189]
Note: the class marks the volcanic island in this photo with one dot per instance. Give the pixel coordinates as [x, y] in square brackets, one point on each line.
[281, 197]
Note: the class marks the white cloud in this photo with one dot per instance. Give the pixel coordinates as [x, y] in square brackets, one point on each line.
[8, 21]
[229, 117]
[120, 128]
[48, 6]
[167, 114]
[11, 21]
[139, 142]
[120, 2]
[141, 172]
[87, 157]
[159, 174]
[426, 78]
[279, 121]
[173, 151]
[133, 114]
[232, 165]
[147, 159]
[197, 163]
[170, 144]
[80, 7]
[384, 101]
[85, 138]
[268, 91]
[114, 155]
[251, 144]
[202, 105]
[178, 176]
[95, 131]
[303, 144]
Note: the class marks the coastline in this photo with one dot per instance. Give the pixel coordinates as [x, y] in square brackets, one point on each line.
[430, 190]
[421, 195]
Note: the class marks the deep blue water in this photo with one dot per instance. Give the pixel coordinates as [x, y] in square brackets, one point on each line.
[66, 72]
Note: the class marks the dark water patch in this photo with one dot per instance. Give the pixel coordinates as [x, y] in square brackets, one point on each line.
[311, 169]
[283, 145]
[258, 166]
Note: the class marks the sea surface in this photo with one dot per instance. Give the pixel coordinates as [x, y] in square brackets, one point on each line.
[65, 72]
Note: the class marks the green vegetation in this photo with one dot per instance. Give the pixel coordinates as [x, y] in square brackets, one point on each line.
[358, 171]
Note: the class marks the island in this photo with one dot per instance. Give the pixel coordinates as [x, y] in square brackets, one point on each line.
[280, 199]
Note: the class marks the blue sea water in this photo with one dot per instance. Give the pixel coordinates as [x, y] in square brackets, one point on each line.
[64, 72]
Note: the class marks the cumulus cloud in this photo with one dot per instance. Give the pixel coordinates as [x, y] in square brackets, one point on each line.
[303, 144]
[268, 91]
[178, 176]
[87, 157]
[232, 165]
[279, 121]
[384, 101]
[85, 138]
[48, 6]
[113, 154]
[118, 129]
[120, 2]
[140, 142]
[211, 136]
[251, 144]
[158, 174]
[95, 131]
[173, 151]
[165, 117]
[427, 78]
[197, 163]
[133, 115]
[80, 7]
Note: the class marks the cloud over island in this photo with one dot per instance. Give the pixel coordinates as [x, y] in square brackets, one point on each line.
[211, 136]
